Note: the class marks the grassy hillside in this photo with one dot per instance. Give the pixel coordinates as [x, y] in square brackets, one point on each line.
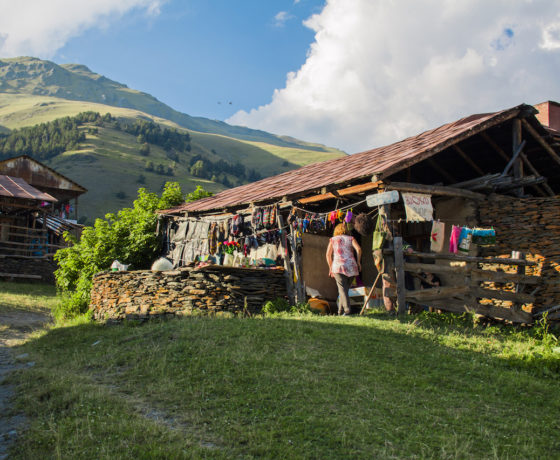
[109, 165]
[287, 387]
[32, 76]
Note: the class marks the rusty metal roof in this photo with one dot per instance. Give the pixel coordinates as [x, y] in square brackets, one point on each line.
[382, 161]
[39, 174]
[16, 187]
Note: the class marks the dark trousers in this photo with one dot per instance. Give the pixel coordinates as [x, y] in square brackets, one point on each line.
[343, 283]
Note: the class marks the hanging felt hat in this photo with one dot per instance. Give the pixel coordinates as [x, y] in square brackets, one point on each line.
[363, 224]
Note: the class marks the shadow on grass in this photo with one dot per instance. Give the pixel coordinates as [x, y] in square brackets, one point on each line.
[308, 387]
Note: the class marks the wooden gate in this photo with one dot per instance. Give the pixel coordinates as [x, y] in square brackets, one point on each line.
[481, 284]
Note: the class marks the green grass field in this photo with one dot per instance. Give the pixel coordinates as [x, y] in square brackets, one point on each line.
[289, 387]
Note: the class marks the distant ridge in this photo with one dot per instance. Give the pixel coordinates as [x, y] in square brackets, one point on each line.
[29, 75]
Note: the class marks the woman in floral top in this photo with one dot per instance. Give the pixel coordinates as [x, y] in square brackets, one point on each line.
[343, 265]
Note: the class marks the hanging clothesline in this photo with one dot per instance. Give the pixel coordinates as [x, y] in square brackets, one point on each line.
[343, 208]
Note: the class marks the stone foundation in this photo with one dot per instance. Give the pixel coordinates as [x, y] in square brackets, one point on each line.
[36, 267]
[147, 294]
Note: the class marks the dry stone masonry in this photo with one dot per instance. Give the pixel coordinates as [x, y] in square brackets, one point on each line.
[532, 226]
[147, 294]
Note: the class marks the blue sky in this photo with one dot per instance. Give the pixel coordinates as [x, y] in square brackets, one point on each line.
[199, 55]
[352, 74]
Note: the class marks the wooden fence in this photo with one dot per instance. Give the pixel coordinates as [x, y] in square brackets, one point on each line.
[27, 243]
[480, 284]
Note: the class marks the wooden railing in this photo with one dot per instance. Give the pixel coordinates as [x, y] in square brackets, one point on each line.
[467, 294]
[25, 243]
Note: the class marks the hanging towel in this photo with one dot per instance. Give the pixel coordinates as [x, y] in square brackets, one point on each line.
[454, 239]
[465, 239]
[484, 236]
[437, 236]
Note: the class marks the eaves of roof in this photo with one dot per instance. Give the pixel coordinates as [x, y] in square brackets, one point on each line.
[382, 161]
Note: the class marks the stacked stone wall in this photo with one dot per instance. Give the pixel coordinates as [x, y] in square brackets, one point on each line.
[36, 267]
[147, 294]
[532, 226]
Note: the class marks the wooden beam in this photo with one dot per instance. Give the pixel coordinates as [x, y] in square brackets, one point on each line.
[399, 270]
[20, 275]
[523, 156]
[502, 295]
[461, 258]
[541, 141]
[422, 295]
[491, 311]
[502, 277]
[495, 146]
[465, 157]
[360, 188]
[433, 268]
[441, 171]
[435, 190]
[518, 145]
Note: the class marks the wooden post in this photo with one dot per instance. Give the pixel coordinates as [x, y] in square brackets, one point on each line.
[286, 257]
[299, 287]
[520, 271]
[399, 268]
[517, 165]
[388, 265]
[76, 209]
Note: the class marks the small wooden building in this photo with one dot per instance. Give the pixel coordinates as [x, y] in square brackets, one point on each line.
[36, 207]
[484, 170]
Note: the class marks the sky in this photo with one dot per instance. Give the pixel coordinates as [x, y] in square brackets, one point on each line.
[351, 74]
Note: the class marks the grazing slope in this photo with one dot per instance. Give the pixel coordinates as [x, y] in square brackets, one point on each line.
[109, 163]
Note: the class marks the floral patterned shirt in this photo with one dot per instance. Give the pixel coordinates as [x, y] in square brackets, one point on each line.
[343, 256]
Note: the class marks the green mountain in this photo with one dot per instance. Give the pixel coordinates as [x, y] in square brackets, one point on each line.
[28, 75]
[111, 161]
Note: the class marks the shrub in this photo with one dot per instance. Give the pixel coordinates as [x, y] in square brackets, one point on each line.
[129, 236]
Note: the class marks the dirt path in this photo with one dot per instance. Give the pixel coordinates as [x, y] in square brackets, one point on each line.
[15, 327]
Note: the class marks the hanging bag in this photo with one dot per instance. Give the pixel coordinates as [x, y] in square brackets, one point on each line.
[379, 234]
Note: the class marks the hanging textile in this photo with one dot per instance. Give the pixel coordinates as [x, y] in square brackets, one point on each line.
[437, 236]
[454, 239]
[465, 239]
[484, 236]
[418, 207]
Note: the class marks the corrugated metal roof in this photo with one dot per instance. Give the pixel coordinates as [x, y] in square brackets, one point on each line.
[59, 225]
[16, 187]
[383, 160]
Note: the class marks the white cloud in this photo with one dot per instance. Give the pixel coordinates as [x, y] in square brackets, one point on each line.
[41, 27]
[281, 17]
[379, 71]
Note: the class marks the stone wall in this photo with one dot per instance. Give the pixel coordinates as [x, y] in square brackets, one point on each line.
[147, 294]
[37, 267]
[532, 226]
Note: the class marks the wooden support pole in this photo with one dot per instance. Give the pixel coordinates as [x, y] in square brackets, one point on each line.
[286, 258]
[520, 271]
[399, 269]
[517, 146]
[387, 264]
